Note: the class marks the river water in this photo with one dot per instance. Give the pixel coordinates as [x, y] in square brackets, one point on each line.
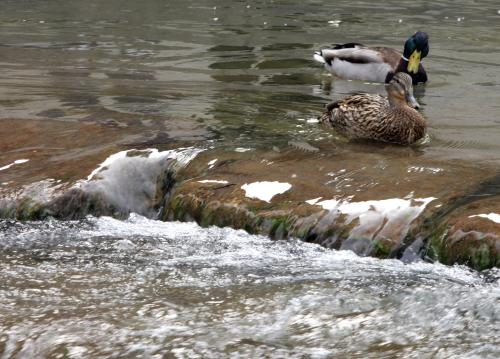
[82, 80]
[143, 288]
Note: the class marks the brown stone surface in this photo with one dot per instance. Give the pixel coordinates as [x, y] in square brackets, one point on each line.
[471, 239]
[370, 202]
[68, 150]
[55, 149]
[366, 182]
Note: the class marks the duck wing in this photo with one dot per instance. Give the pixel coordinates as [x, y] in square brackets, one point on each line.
[359, 103]
[356, 54]
[354, 116]
[389, 55]
[356, 105]
[357, 62]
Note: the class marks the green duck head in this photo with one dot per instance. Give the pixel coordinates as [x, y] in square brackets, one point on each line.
[416, 48]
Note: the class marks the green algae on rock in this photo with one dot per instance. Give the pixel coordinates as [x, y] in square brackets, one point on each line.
[325, 204]
[338, 200]
[469, 235]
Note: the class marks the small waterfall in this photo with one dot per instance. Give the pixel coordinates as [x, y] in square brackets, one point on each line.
[128, 181]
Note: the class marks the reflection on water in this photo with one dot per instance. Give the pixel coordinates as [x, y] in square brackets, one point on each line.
[82, 80]
[109, 288]
[229, 64]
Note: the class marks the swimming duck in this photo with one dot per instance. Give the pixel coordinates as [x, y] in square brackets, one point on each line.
[374, 117]
[377, 64]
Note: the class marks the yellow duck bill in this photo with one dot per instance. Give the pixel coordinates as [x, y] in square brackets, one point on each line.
[414, 62]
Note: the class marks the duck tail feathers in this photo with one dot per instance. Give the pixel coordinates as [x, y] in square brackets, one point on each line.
[332, 105]
[318, 57]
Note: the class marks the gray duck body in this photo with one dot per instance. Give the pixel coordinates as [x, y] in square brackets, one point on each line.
[374, 117]
[377, 64]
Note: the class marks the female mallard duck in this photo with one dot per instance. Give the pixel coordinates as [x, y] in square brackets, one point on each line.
[375, 117]
[377, 64]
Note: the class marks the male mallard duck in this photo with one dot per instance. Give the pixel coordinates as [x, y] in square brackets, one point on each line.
[377, 64]
[375, 117]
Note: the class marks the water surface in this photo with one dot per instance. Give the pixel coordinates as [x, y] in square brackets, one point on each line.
[82, 80]
[142, 288]
[236, 71]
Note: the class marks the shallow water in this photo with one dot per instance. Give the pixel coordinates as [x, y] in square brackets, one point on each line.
[144, 288]
[238, 72]
[84, 80]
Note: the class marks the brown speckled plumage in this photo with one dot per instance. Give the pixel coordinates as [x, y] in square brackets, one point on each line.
[374, 117]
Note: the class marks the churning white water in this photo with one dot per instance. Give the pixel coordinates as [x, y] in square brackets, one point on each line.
[144, 288]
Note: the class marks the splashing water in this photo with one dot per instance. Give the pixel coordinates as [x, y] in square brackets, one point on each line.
[103, 287]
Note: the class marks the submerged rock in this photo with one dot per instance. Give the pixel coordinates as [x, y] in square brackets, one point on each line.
[469, 235]
[129, 181]
[357, 202]
[405, 207]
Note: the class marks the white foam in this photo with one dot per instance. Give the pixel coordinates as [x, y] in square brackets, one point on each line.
[293, 294]
[329, 204]
[491, 216]
[39, 191]
[334, 23]
[393, 214]
[128, 179]
[265, 190]
[314, 200]
[212, 163]
[214, 181]
[246, 250]
[386, 206]
[424, 169]
[182, 155]
[16, 162]
[242, 149]
[107, 162]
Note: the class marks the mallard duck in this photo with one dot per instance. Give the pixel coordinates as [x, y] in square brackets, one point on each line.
[377, 64]
[374, 117]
